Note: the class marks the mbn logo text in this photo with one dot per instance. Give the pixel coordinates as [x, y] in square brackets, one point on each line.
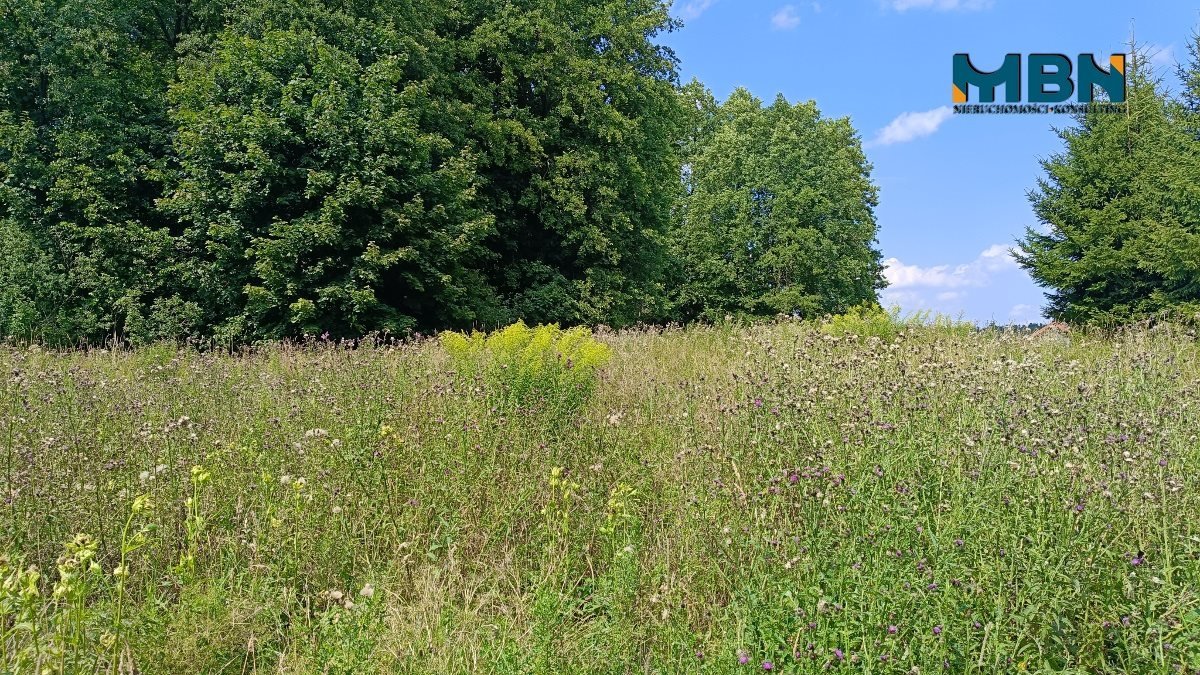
[1050, 78]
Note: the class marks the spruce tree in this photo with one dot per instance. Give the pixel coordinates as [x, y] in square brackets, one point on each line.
[1120, 209]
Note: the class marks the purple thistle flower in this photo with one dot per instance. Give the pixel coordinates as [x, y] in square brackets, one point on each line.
[839, 655]
[937, 630]
[743, 658]
[892, 630]
[758, 403]
[767, 665]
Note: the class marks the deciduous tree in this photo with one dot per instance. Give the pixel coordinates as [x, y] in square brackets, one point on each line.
[777, 212]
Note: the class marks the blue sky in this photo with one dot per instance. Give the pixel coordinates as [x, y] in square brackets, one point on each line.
[952, 189]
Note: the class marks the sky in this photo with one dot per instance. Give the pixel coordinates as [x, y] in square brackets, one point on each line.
[953, 189]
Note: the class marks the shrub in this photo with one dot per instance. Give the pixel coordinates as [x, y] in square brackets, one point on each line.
[869, 320]
[866, 321]
[544, 367]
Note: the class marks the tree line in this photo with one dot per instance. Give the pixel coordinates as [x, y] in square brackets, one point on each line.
[237, 170]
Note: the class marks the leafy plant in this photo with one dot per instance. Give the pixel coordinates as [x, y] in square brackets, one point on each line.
[543, 367]
[55, 632]
[736, 497]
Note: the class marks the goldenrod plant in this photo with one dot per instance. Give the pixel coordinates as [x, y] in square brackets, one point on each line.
[870, 320]
[544, 367]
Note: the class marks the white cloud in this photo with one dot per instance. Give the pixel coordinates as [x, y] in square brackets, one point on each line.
[939, 5]
[909, 299]
[786, 18]
[913, 125]
[900, 275]
[978, 272]
[694, 8]
[816, 8]
[997, 257]
[1023, 313]
[992, 280]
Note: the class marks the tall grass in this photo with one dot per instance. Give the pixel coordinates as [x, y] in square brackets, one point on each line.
[717, 500]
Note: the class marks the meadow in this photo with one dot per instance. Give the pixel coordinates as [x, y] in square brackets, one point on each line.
[792, 497]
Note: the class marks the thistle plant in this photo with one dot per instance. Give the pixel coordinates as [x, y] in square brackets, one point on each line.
[132, 539]
[194, 522]
[21, 608]
[50, 633]
[723, 500]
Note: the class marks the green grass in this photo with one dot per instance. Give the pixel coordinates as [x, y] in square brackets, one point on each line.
[940, 501]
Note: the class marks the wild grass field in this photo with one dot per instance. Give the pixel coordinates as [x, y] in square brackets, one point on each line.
[790, 498]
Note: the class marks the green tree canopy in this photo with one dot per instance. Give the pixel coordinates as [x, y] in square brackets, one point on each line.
[777, 211]
[316, 191]
[1120, 206]
[83, 146]
[572, 108]
[243, 170]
